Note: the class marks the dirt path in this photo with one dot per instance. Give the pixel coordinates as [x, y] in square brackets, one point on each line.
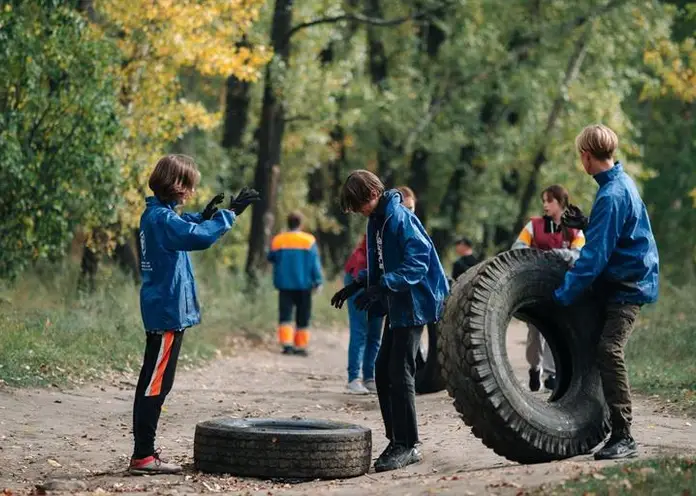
[85, 435]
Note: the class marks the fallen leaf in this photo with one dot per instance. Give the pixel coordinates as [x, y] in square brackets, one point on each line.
[599, 476]
[53, 463]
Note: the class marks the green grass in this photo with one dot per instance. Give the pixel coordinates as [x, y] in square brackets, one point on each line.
[50, 333]
[661, 352]
[657, 477]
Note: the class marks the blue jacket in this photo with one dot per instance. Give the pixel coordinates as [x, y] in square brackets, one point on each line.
[295, 259]
[620, 251]
[401, 257]
[168, 296]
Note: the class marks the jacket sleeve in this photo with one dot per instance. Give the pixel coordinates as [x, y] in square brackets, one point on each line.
[271, 256]
[524, 240]
[416, 258]
[195, 217]
[180, 235]
[606, 223]
[317, 277]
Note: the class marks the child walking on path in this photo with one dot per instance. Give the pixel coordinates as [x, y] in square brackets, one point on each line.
[404, 280]
[620, 258]
[168, 299]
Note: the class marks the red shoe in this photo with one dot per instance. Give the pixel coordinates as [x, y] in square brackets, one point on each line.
[152, 465]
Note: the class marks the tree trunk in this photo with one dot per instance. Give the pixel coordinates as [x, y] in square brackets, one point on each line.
[419, 181]
[236, 112]
[127, 256]
[572, 71]
[270, 140]
[378, 68]
[450, 206]
[432, 38]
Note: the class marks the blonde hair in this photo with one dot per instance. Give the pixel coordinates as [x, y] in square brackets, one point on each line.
[406, 192]
[173, 176]
[599, 140]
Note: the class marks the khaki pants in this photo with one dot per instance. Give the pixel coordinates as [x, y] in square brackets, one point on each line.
[619, 322]
[539, 355]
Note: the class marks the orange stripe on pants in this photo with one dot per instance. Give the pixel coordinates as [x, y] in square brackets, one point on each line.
[286, 333]
[301, 339]
[155, 386]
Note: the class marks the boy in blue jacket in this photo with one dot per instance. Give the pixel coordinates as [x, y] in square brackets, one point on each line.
[620, 258]
[168, 299]
[404, 280]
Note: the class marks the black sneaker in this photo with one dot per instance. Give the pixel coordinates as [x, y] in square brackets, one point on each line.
[387, 451]
[398, 457]
[534, 379]
[550, 382]
[301, 352]
[288, 350]
[618, 446]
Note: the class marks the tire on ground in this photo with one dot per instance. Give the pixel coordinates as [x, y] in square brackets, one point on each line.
[480, 378]
[428, 373]
[282, 448]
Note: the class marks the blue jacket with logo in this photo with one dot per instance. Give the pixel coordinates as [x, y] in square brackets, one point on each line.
[620, 253]
[295, 259]
[401, 257]
[168, 296]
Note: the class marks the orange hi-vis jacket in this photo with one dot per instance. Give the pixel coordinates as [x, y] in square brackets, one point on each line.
[295, 259]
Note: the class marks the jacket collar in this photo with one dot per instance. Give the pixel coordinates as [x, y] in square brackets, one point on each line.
[609, 175]
[387, 202]
[152, 201]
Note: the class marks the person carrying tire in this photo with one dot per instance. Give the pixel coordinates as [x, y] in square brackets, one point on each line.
[621, 259]
[168, 299]
[547, 233]
[296, 274]
[404, 280]
[365, 333]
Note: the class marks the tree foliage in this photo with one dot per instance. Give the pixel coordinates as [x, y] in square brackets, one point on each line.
[58, 117]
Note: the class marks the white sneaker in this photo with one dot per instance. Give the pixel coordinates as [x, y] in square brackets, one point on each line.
[356, 387]
[371, 386]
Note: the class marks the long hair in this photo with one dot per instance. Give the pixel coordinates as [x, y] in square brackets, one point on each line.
[560, 194]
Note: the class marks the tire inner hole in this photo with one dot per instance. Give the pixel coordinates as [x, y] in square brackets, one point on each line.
[556, 349]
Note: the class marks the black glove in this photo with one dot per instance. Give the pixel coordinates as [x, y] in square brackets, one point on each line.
[338, 299]
[210, 208]
[574, 218]
[372, 295]
[245, 197]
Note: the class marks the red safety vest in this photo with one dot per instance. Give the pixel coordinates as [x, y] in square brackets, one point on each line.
[553, 239]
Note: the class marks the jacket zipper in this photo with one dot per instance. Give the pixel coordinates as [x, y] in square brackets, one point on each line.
[385, 266]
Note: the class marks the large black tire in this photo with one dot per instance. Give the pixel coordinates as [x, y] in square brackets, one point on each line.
[282, 448]
[428, 372]
[480, 378]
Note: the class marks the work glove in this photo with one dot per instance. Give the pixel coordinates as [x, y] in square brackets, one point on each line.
[245, 197]
[338, 299]
[372, 295]
[574, 218]
[211, 208]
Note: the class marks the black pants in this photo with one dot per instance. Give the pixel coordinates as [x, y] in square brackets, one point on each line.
[298, 302]
[395, 372]
[155, 382]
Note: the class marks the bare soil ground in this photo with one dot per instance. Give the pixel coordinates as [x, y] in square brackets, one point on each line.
[82, 437]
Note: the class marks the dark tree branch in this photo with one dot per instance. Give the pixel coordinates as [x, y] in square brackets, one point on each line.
[363, 19]
[298, 118]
